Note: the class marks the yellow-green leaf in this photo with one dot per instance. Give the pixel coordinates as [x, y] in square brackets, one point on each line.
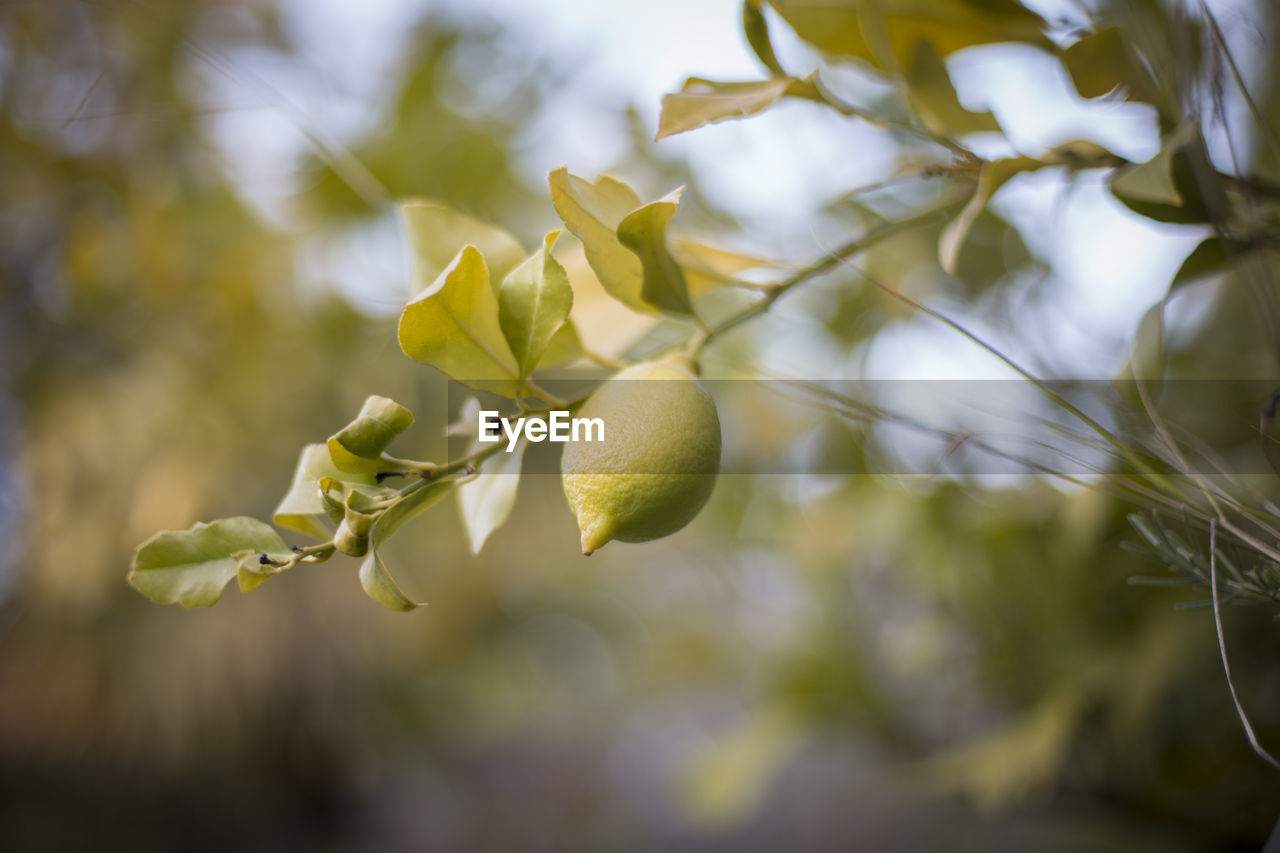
[191, 567]
[358, 447]
[1104, 61]
[702, 101]
[644, 231]
[933, 96]
[453, 326]
[885, 32]
[374, 577]
[381, 587]
[1211, 258]
[592, 212]
[756, 28]
[533, 304]
[303, 507]
[991, 177]
[706, 267]
[437, 232]
[1163, 188]
[564, 348]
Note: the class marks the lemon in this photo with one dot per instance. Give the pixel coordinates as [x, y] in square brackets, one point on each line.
[657, 464]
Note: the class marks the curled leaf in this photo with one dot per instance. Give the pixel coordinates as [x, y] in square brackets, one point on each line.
[359, 446]
[303, 507]
[374, 577]
[644, 231]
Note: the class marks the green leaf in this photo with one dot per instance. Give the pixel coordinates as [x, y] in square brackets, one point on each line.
[191, 567]
[592, 212]
[564, 348]
[374, 577]
[1104, 61]
[644, 232]
[359, 446]
[933, 96]
[991, 177]
[486, 501]
[730, 778]
[303, 507]
[453, 326]
[1212, 257]
[1163, 188]
[381, 587]
[436, 233]
[885, 32]
[756, 28]
[533, 304]
[702, 101]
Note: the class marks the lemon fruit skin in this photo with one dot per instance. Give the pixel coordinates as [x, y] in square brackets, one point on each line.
[658, 463]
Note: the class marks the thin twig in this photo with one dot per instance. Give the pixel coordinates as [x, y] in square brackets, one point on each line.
[1222, 647]
[1248, 539]
[832, 259]
[1269, 132]
[843, 107]
[1124, 451]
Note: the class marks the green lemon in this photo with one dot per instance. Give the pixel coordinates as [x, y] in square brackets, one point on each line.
[658, 462]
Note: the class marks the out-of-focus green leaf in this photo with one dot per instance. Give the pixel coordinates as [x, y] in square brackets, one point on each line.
[191, 567]
[702, 101]
[1162, 188]
[932, 95]
[564, 348]
[1103, 61]
[644, 232]
[991, 177]
[487, 501]
[885, 32]
[358, 447]
[437, 232]
[303, 507]
[453, 326]
[1210, 258]
[592, 213]
[1015, 761]
[533, 304]
[733, 776]
[756, 28]
[706, 267]
[992, 250]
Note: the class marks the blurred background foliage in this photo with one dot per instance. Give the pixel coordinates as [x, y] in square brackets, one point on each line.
[817, 663]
